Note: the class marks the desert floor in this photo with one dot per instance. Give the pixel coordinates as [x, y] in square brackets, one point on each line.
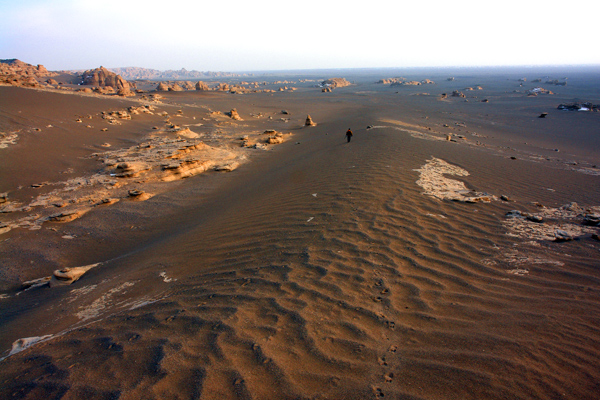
[386, 267]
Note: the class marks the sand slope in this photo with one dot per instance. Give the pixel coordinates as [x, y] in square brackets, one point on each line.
[325, 271]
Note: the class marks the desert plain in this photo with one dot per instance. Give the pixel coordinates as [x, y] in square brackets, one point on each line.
[212, 244]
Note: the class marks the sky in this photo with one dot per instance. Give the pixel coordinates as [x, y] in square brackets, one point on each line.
[257, 35]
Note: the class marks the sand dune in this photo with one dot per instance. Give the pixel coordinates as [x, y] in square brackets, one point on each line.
[326, 269]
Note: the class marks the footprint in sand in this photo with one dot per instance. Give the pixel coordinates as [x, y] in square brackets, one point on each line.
[378, 392]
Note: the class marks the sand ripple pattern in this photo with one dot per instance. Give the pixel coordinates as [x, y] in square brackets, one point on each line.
[384, 293]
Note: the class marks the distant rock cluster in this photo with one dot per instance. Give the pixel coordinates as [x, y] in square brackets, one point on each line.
[587, 106]
[335, 83]
[18, 73]
[538, 90]
[133, 73]
[404, 82]
[389, 81]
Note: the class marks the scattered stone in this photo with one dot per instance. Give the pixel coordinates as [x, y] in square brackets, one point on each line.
[538, 90]
[562, 236]
[35, 283]
[518, 271]
[309, 121]
[129, 169]
[586, 106]
[67, 216]
[573, 207]
[535, 218]
[543, 115]
[591, 220]
[234, 115]
[276, 139]
[505, 198]
[107, 201]
[138, 195]
[227, 167]
[4, 228]
[67, 276]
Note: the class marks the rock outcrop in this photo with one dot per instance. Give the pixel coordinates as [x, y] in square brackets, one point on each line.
[234, 115]
[335, 82]
[101, 77]
[175, 88]
[162, 87]
[17, 73]
[201, 86]
[187, 85]
[586, 106]
[389, 81]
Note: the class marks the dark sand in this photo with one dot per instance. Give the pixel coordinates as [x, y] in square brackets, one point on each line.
[317, 269]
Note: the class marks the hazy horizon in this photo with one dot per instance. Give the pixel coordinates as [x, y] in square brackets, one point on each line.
[269, 36]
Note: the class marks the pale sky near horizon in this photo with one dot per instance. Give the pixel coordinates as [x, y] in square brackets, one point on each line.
[274, 35]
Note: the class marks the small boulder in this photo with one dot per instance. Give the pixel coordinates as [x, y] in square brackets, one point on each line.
[309, 121]
[562, 236]
[227, 167]
[67, 276]
[591, 220]
[234, 115]
[535, 218]
[138, 195]
[514, 214]
[67, 216]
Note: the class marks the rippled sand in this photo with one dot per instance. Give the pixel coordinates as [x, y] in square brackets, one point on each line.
[323, 270]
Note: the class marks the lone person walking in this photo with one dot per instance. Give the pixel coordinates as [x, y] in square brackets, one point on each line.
[348, 135]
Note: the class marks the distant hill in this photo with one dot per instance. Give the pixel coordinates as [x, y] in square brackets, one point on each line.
[132, 73]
